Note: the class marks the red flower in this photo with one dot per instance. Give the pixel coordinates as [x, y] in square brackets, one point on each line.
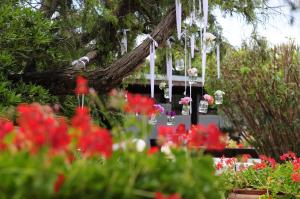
[39, 128]
[5, 128]
[289, 155]
[245, 157]
[153, 150]
[259, 166]
[268, 161]
[295, 177]
[219, 165]
[82, 119]
[81, 86]
[59, 182]
[97, 141]
[138, 104]
[159, 195]
[210, 137]
[174, 196]
[197, 137]
[296, 166]
[167, 134]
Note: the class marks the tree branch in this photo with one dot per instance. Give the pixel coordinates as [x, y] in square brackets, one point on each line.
[103, 79]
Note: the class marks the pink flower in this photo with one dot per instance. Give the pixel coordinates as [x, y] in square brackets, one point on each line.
[209, 99]
[185, 100]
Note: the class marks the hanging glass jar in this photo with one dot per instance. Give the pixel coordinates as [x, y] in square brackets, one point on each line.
[170, 118]
[203, 106]
[193, 75]
[166, 92]
[209, 42]
[179, 64]
[185, 109]
[219, 97]
[153, 119]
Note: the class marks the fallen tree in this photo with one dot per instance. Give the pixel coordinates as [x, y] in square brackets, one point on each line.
[62, 81]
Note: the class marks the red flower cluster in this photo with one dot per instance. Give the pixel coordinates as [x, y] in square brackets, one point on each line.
[291, 157]
[138, 104]
[265, 162]
[81, 86]
[211, 137]
[159, 195]
[230, 162]
[288, 156]
[39, 128]
[198, 136]
[245, 157]
[5, 128]
[92, 140]
[295, 177]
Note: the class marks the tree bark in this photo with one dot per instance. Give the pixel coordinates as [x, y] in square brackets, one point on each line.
[62, 81]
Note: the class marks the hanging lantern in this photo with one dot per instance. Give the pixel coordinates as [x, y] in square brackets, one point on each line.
[163, 86]
[203, 106]
[209, 40]
[158, 110]
[185, 101]
[193, 74]
[166, 92]
[179, 64]
[170, 118]
[219, 97]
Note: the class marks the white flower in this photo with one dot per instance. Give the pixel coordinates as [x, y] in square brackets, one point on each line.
[140, 144]
[162, 85]
[193, 72]
[166, 149]
[209, 37]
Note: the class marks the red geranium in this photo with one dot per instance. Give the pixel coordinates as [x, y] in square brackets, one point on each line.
[81, 86]
[82, 119]
[5, 128]
[295, 177]
[39, 128]
[94, 142]
[138, 104]
[159, 195]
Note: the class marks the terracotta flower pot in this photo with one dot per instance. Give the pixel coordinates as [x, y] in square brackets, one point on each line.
[246, 194]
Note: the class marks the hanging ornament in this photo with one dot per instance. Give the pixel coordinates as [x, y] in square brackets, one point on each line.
[192, 45]
[203, 106]
[193, 74]
[124, 42]
[153, 44]
[205, 12]
[170, 118]
[185, 101]
[164, 87]
[178, 17]
[200, 7]
[219, 97]
[209, 40]
[203, 63]
[218, 62]
[179, 64]
[169, 69]
[158, 110]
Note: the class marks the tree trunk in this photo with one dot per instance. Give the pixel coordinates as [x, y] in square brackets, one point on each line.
[102, 79]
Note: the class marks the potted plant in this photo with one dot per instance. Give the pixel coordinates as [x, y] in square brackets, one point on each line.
[264, 179]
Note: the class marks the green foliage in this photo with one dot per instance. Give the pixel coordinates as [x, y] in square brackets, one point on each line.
[262, 95]
[13, 94]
